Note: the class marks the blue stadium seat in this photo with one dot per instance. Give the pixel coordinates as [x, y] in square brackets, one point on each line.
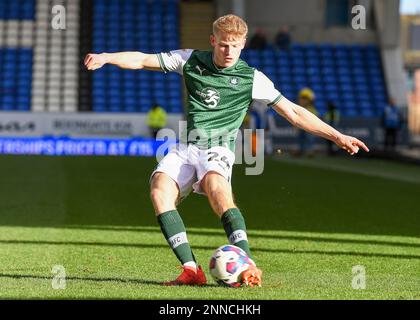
[332, 95]
[343, 70]
[327, 71]
[365, 105]
[298, 70]
[343, 63]
[282, 54]
[346, 88]
[330, 79]
[318, 90]
[267, 54]
[313, 72]
[253, 53]
[256, 63]
[298, 61]
[299, 78]
[283, 62]
[341, 55]
[313, 62]
[312, 53]
[328, 63]
[348, 104]
[320, 102]
[149, 26]
[269, 61]
[326, 51]
[17, 10]
[296, 52]
[15, 76]
[367, 112]
[345, 79]
[332, 86]
[364, 96]
[349, 112]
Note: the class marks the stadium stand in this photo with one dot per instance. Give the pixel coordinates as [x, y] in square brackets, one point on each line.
[148, 26]
[17, 10]
[15, 79]
[351, 76]
[56, 61]
[40, 67]
[15, 54]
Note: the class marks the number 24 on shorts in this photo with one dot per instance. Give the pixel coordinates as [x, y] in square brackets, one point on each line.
[214, 156]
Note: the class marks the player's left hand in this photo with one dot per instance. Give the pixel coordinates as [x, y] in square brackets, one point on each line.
[350, 144]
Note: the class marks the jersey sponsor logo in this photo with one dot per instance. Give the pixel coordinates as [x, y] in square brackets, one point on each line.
[237, 236]
[177, 240]
[210, 97]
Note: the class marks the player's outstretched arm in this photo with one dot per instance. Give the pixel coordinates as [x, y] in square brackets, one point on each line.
[302, 118]
[127, 60]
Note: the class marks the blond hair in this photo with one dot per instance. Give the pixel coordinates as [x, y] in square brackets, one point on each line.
[232, 25]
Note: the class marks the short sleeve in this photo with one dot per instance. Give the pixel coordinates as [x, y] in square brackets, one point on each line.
[174, 61]
[263, 90]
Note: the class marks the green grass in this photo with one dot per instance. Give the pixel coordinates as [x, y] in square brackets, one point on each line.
[310, 221]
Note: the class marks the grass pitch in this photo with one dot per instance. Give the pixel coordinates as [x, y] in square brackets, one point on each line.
[310, 221]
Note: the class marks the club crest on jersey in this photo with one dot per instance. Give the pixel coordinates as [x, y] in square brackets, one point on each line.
[210, 97]
[233, 81]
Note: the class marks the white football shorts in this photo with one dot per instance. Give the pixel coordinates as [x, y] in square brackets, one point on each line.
[188, 164]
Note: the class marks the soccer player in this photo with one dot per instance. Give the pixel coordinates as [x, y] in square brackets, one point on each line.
[220, 88]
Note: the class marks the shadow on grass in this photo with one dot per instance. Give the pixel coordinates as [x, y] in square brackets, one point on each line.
[93, 279]
[258, 235]
[211, 248]
[38, 191]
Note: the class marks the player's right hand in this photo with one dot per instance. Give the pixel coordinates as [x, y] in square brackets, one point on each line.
[94, 61]
[350, 144]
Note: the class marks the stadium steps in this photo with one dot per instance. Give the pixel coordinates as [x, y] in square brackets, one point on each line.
[85, 47]
[195, 27]
[55, 79]
[196, 24]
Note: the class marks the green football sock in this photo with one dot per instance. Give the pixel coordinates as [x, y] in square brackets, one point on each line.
[174, 231]
[234, 225]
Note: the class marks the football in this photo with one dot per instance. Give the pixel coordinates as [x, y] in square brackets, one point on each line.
[227, 264]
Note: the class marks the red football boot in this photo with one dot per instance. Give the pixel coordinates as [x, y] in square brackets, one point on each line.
[189, 277]
[252, 276]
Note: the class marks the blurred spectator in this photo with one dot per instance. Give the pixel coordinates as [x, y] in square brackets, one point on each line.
[253, 122]
[283, 40]
[258, 41]
[306, 99]
[258, 114]
[156, 119]
[268, 135]
[332, 117]
[254, 118]
[391, 121]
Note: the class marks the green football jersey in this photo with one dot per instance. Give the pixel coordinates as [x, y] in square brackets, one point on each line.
[218, 99]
